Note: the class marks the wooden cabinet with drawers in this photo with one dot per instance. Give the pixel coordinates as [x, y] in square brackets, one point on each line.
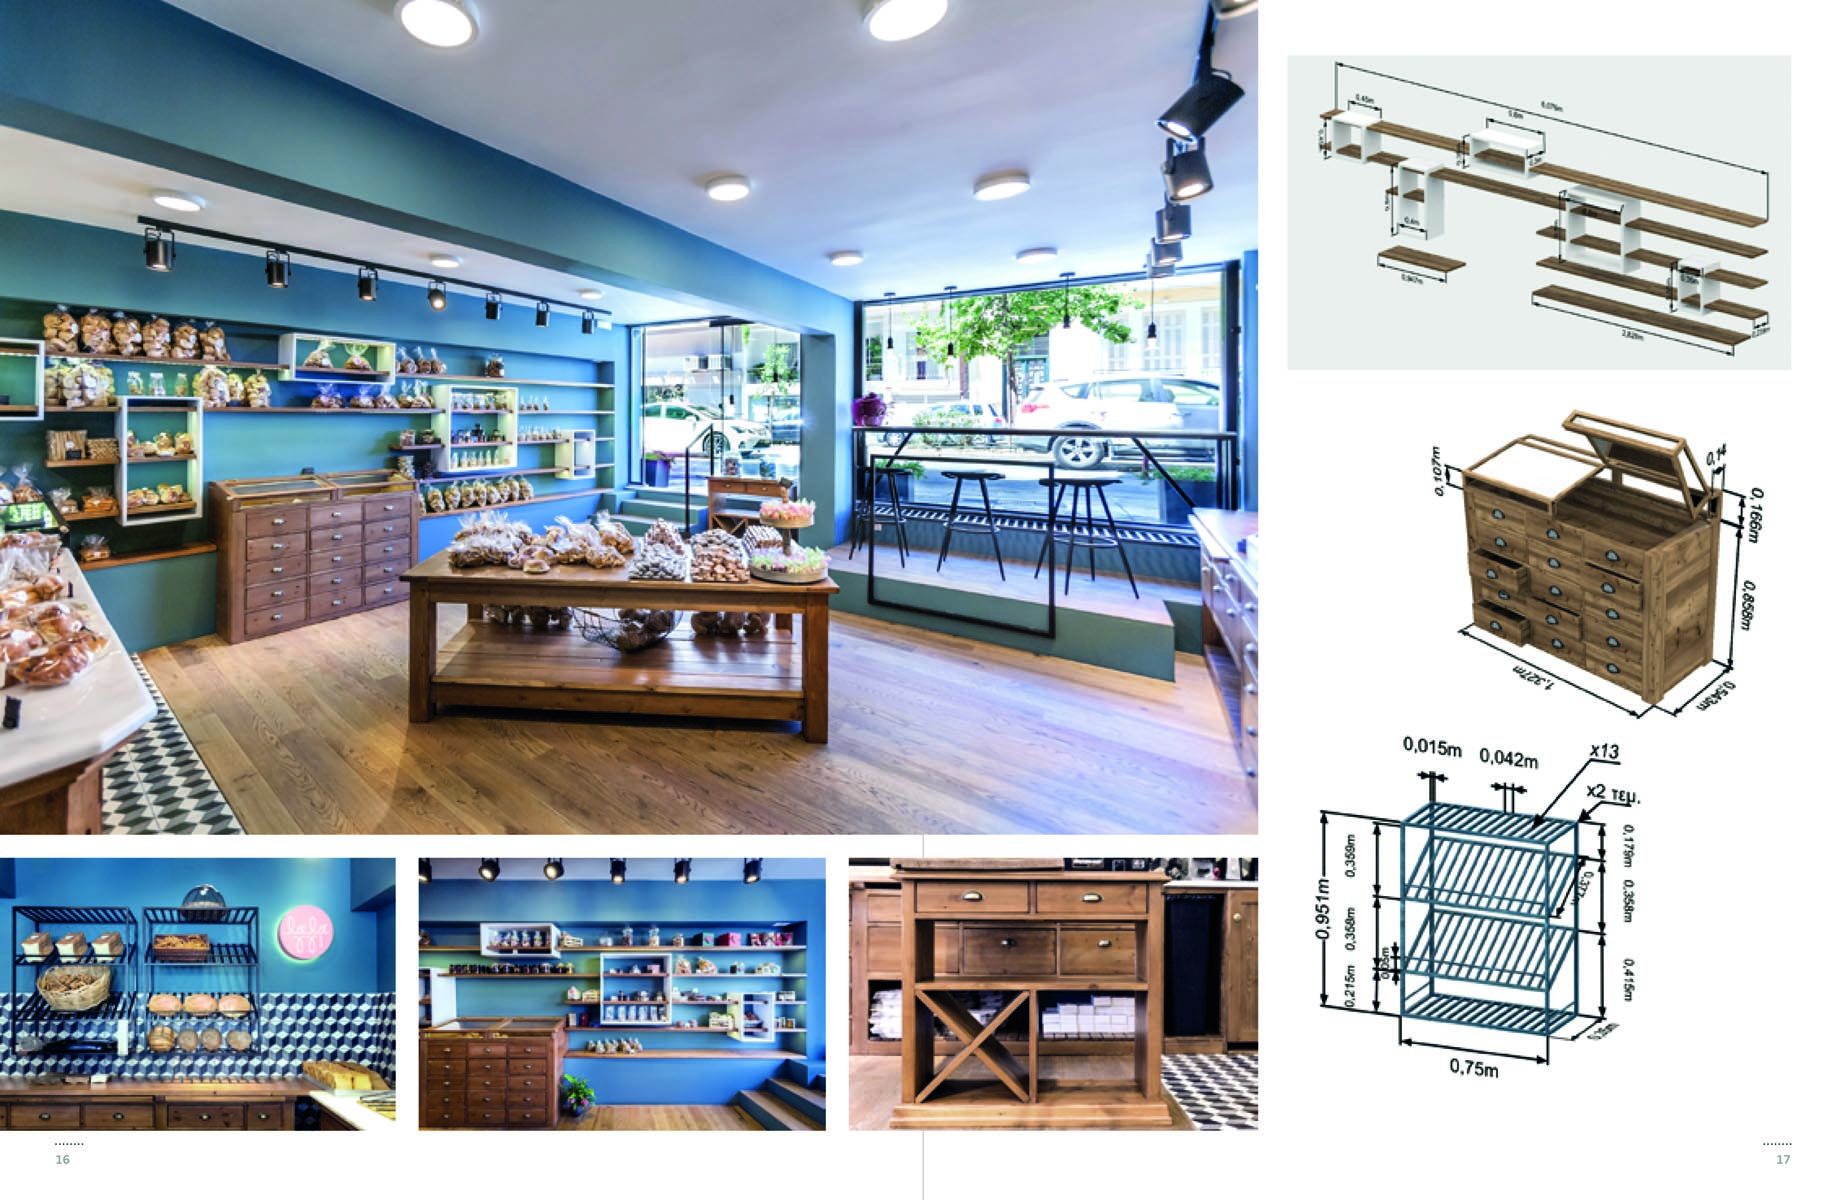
[295, 550]
[1227, 587]
[1604, 558]
[492, 1073]
[34, 1103]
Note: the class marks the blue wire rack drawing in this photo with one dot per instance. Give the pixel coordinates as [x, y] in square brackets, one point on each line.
[1490, 915]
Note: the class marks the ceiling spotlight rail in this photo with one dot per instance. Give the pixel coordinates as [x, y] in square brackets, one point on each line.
[286, 252]
[1138, 275]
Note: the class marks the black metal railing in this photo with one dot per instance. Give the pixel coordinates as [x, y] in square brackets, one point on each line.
[1001, 446]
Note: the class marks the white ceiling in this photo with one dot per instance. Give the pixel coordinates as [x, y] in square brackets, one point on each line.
[49, 178]
[596, 870]
[852, 143]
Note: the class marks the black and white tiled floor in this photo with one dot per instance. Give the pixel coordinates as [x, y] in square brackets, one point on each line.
[1218, 1091]
[158, 784]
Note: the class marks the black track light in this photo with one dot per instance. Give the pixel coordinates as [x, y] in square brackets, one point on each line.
[490, 869]
[275, 269]
[158, 250]
[493, 306]
[753, 870]
[682, 870]
[1173, 223]
[618, 870]
[1210, 97]
[542, 318]
[951, 291]
[554, 868]
[1067, 276]
[1187, 174]
[438, 294]
[589, 321]
[890, 325]
[424, 874]
[1165, 254]
[368, 284]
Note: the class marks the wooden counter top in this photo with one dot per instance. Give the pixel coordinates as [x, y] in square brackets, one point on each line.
[1224, 527]
[58, 1087]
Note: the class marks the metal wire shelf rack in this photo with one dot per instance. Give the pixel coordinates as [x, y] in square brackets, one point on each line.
[36, 1022]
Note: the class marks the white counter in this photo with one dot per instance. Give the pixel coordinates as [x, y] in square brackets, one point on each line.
[349, 1110]
[60, 726]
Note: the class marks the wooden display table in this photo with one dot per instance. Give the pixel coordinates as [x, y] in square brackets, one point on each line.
[1028, 934]
[780, 677]
[51, 767]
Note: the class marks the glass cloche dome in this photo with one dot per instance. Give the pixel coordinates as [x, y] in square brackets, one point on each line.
[205, 896]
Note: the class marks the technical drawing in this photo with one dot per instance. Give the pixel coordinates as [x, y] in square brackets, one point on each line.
[1494, 951]
[1606, 556]
[1667, 243]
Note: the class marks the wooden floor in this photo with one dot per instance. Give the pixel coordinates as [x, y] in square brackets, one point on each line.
[671, 1118]
[306, 732]
[875, 1090]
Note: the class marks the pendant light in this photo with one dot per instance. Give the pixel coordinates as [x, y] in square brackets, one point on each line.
[368, 284]
[490, 869]
[1066, 276]
[275, 269]
[493, 306]
[542, 318]
[438, 294]
[753, 870]
[951, 311]
[157, 250]
[682, 870]
[1187, 174]
[890, 322]
[618, 870]
[589, 322]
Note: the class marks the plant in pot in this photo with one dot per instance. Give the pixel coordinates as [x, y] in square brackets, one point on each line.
[1199, 484]
[909, 471]
[656, 469]
[575, 1096]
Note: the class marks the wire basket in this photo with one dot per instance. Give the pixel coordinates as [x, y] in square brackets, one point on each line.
[607, 627]
[78, 999]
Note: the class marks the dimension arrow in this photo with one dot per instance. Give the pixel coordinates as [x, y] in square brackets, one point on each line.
[1587, 763]
[1531, 1058]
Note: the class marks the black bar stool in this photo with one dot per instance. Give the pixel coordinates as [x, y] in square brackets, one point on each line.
[984, 524]
[1082, 532]
[865, 521]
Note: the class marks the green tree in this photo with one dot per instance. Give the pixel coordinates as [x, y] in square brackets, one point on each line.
[998, 325]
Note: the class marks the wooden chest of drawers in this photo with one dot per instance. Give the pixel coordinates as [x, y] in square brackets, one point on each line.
[492, 1073]
[301, 549]
[1605, 558]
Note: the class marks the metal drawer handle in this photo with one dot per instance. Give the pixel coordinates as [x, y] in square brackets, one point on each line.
[275, 570]
[1105, 943]
[1498, 515]
[205, 1116]
[1609, 588]
[1556, 644]
[1554, 564]
[1249, 606]
[262, 1116]
[1615, 642]
[339, 558]
[1236, 916]
[1249, 689]
[277, 546]
[1092, 897]
[1494, 625]
[1614, 670]
[275, 616]
[337, 603]
[1553, 534]
[389, 507]
[339, 537]
[338, 579]
[118, 1116]
[1500, 542]
[1612, 556]
[1008, 942]
[338, 513]
[1555, 590]
[1612, 614]
[1505, 595]
[1492, 574]
[44, 1116]
[277, 521]
[277, 593]
[1550, 620]
[971, 897]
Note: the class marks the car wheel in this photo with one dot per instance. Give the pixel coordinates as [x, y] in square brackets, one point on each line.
[716, 443]
[1079, 453]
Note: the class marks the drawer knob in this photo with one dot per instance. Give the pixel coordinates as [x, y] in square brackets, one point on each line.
[971, 897]
[117, 1116]
[1612, 556]
[1557, 644]
[275, 616]
[1608, 589]
[275, 545]
[1612, 614]
[262, 1116]
[1614, 641]
[337, 603]
[1092, 897]
[1555, 590]
[1492, 574]
[1249, 730]
[1249, 689]
[205, 1116]
[1550, 620]
[1498, 515]
[1104, 943]
[1505, 595]
[339, 558]
[277, 593]
[1500, 542]
[1614, 670]
[1236, 916]
[1553, 534]
[44, 1116]
[274, 521]
[339, 537]
[1493, 625]
[1008, 942]
[338, 580]
[1554, 564]
[275, 570]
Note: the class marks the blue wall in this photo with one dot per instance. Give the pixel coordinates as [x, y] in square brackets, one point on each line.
[272, 885]
[449, 910]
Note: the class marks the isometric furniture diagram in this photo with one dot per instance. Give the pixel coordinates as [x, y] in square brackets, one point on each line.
[1607, 554]
[1476, 924]
[1620, 251]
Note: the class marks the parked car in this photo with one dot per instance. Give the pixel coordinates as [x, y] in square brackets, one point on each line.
[1135, 402]
[673, 427]
[957, 415]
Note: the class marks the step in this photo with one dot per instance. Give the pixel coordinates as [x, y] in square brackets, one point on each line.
[1613, 278]
[805, 1100]
[639, 525]
[1641, 316]
[773, 1114]
[676, 493]
[673, 511]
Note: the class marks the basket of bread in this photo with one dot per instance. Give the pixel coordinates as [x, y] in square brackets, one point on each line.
[181, 947]
[74, 988]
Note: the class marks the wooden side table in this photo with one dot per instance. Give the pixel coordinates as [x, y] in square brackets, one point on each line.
[1028, 934]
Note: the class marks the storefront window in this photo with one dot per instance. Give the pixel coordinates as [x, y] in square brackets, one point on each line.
[1017, 364]
[718, 396]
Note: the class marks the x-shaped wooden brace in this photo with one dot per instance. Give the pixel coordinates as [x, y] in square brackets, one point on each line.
[976, 1041]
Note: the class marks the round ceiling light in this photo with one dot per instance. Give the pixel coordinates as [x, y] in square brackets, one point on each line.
[846, 258]
[178, 201]
[446, 261]
[444, 24]
[727, 189]
[589, 293]
[1036, 254]
[901, 20]
[1000, 185]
